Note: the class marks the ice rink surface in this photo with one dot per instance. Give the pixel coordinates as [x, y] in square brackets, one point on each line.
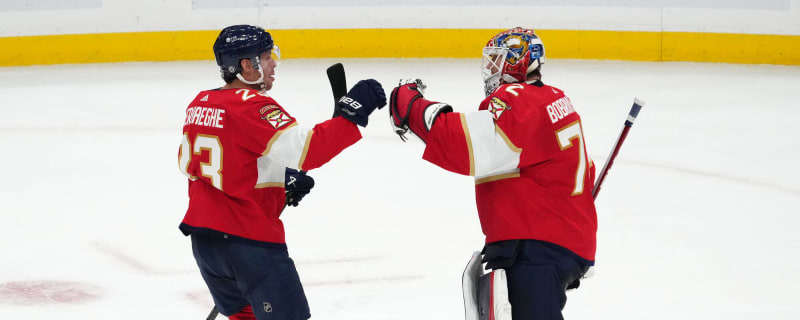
[697, 220]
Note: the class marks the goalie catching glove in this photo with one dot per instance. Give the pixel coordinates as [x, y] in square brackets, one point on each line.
[411, 111]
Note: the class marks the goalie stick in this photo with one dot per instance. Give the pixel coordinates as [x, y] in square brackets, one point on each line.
[338, 82]
[637, 105]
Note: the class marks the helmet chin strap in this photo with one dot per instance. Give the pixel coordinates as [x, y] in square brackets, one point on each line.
[256, 64]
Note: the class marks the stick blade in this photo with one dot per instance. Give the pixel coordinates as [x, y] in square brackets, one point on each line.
[338, 80]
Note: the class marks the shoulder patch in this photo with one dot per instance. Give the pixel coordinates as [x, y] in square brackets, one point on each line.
[497, 107]
[275, 116]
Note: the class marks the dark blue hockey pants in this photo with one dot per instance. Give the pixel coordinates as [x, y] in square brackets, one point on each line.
[538, 278]
[240, 274]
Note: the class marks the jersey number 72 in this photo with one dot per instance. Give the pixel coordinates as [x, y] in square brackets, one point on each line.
[565, 135]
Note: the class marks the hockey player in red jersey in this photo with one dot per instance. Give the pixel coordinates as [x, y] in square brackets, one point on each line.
[533, 180]
[238, 148]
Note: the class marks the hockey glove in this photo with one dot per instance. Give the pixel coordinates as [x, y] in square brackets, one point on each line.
[361, 100]
[410, 110]
[297, 186]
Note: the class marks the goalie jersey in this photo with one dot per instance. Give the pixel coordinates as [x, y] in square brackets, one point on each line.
[236, 146]
[526, 150]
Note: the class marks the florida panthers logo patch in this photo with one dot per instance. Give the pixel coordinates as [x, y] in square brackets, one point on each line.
[497, 107]
[275, 116]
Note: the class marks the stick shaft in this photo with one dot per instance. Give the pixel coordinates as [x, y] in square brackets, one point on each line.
[213, 314]
[632, 114]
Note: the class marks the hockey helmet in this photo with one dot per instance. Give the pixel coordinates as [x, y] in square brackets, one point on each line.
[510, 56]
[239, 42]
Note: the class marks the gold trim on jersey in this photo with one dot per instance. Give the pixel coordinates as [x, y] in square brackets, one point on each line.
[275, 138]
[270, 185]
[501, 176]
[305, 150]
[507, 140]
[469, 145]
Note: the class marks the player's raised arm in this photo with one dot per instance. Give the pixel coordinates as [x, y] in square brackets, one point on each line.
[354, 109]
[304, 148]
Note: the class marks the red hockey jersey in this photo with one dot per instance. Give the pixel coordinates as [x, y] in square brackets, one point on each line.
[236, 146]
[526, 150]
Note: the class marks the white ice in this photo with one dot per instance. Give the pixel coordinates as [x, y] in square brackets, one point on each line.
[697, 220]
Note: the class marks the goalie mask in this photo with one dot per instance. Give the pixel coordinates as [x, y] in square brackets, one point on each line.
[510, 56]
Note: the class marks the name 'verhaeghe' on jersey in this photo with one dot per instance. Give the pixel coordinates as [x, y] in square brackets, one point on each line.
[237, 144]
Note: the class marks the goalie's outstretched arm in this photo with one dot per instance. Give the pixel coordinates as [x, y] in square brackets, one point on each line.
[464, 143]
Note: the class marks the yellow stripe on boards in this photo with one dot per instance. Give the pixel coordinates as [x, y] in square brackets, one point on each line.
[602, 45]
[404, 43]
[383, 43]
[731, 48]
[107, 47]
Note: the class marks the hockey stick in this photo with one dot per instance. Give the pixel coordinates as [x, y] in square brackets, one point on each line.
[338, 80]
[338, 84]
[213, 314]
[637, 105]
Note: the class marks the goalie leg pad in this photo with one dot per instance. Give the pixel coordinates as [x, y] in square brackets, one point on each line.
[493, 296]
[469, 284]
[485, 295]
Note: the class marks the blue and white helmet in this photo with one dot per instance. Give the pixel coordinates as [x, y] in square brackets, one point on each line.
[239, 42]
[510, 56]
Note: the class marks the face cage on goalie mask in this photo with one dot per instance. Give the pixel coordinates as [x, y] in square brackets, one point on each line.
[492, 63]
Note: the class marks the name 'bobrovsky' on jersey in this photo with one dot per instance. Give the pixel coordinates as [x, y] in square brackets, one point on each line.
[526, 150]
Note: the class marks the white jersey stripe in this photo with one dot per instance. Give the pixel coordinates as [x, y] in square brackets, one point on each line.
[493, 152]
[507, 140]
[287, 148]
[275, 137]
[270, 174]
